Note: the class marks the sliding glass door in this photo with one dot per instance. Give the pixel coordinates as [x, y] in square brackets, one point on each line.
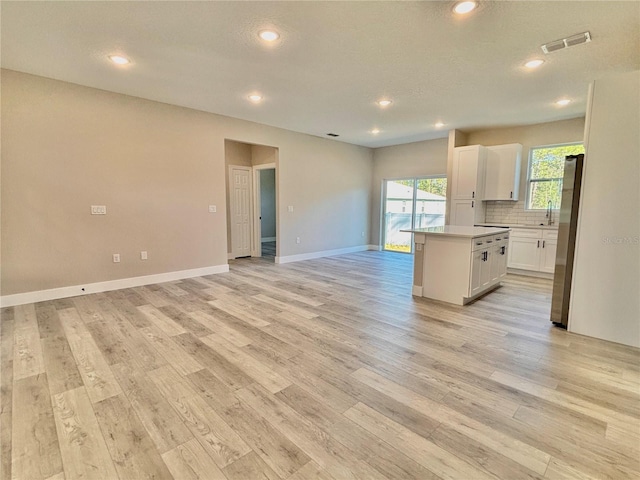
[411, 203]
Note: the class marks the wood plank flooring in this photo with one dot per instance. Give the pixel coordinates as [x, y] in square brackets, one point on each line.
[324, 369]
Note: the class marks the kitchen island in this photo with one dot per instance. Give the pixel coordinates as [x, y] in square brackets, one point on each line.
[457, 264]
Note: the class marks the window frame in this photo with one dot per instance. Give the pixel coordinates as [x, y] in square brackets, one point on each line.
[531, 181]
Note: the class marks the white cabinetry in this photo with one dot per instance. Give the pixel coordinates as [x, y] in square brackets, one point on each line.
[457, 264]
[502, 177]
[533, 249]
[488, 262]
[467, 185]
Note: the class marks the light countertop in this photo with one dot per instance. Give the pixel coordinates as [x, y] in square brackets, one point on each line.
[458, 231]
[515, 225]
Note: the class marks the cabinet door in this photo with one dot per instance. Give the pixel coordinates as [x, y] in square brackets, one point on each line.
[524, 253]
[466, 212]
[464, 182]
[502, 178]
[503, 253]
[548, 256]
[495, 261]
[485, 269]
[463, 212]
[477, 263]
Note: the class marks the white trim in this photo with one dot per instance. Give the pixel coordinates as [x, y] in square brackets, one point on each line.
[77, 290]
[323, 253]
[530, 273]
[416, 291]
[377, 248]
[267, 239]
[231, 256]
[256, 240]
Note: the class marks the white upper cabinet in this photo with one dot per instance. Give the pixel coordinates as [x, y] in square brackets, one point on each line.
[467, 185]
[502, 178]
[468, 172]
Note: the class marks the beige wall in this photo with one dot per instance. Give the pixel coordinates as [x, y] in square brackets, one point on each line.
[605, 299]
[261, 155]
[402, 161]
[156, 167]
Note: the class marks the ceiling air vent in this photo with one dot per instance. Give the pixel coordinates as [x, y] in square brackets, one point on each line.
[332, 135]
[578, 39]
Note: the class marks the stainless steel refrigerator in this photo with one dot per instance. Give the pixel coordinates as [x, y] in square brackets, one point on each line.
[567, 227]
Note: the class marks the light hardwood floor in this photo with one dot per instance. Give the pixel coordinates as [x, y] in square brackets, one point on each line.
[319, 369]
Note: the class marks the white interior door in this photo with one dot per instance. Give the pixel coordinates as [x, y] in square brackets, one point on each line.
[240, 199]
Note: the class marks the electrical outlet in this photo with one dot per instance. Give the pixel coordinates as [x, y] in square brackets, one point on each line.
[213, 209]
[297, 239]
[116, 258]
[143, 255]
[98, 209]
[362, 234]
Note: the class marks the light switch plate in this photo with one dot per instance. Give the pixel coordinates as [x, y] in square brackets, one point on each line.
[98, 209]
[143, 255]
[290, 208]
[213, 209]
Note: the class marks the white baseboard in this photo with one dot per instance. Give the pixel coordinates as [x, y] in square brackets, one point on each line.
[230, 256]
[77, 290]
[267, 239]
[416, 291]
[530, 273]
[323, 253]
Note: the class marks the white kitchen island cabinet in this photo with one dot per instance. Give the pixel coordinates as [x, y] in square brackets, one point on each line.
[457, 264]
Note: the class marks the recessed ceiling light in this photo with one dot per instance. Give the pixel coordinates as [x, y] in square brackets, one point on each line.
[562, 102]
[375, 131]
[255, 98]
[439, 125]
[269, 35]
[465, 7]
[119, 59]
[384, 103]
[534, 63]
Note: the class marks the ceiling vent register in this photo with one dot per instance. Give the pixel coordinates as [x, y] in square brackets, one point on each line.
[571, 41]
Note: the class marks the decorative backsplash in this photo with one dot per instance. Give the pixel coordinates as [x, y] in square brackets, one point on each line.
[509, 212]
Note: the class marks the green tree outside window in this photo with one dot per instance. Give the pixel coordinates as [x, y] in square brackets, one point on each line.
[546, 169]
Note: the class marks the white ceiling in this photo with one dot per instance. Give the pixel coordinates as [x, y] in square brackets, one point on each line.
[333, 60]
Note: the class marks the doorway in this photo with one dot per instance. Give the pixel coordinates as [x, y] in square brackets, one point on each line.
[251, 200]
[265, 207]
[410, 203]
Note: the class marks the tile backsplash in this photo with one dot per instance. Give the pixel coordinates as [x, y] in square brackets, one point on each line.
[509, 212]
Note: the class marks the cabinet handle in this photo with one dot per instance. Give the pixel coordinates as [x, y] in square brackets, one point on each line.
[538, 244]
[510, 194]
[502, 252]
[543, 242]
[473, 194]
[471, 203]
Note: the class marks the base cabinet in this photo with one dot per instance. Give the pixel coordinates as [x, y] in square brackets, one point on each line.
[533, 250]
[488, 263]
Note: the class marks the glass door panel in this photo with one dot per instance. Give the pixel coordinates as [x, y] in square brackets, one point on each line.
[398, 214]
[431, 199]
[412, 203]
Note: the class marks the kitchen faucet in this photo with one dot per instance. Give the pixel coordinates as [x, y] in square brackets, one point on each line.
[549, 214]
